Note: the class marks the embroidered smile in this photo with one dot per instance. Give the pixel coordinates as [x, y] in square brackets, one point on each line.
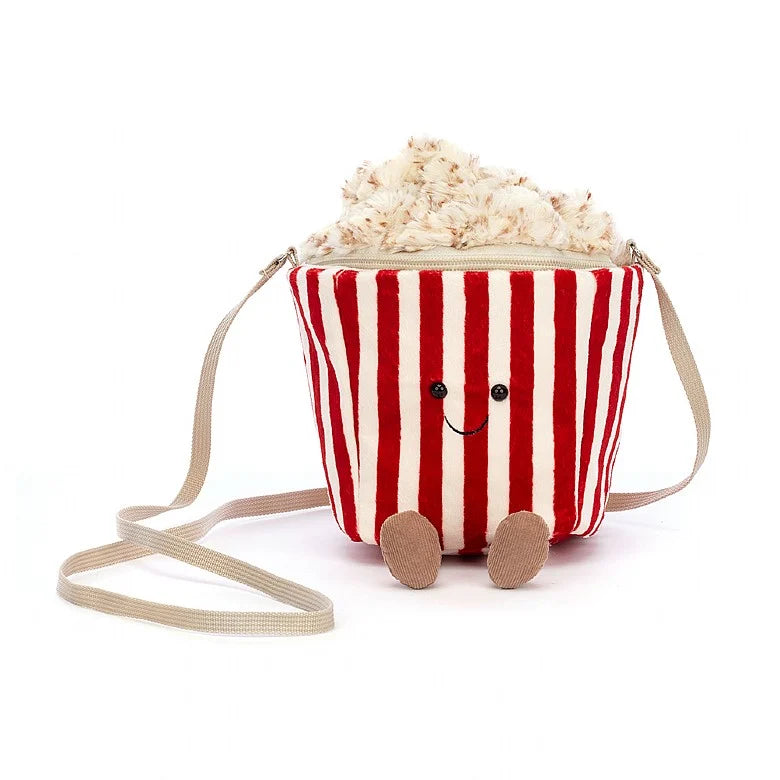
[466, 433]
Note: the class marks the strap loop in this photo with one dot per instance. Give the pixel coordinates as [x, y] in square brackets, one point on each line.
[316, 613]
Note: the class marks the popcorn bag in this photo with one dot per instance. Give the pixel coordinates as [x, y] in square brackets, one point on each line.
[468, 340]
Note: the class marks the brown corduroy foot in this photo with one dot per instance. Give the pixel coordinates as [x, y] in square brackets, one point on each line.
[410, 547]
[519, 549]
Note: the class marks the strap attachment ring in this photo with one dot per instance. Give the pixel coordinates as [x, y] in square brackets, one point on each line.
[279, 261]
[638, 256]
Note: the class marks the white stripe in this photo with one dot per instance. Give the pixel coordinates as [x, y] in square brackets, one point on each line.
[330, 460]
[586, 294]
[368, 421]
[623, 382]
[499, 344]
[544, 381]
[305, 344]
[409, 389]
[454, 408]
[337, 351]
[602, 403]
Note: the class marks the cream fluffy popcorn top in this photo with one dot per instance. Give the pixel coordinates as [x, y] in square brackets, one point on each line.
[435, 195]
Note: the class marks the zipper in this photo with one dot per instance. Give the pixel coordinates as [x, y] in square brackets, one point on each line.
[488, 258]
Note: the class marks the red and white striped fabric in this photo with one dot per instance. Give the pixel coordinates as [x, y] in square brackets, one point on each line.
[375, 341]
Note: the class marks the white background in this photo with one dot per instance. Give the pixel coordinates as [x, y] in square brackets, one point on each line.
[154, 156]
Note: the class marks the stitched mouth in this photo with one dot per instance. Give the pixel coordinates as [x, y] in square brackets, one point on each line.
[466, 433]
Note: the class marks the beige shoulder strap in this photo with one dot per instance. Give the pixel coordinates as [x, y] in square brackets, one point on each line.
[315, 613]
[316, 610]
[691, 381]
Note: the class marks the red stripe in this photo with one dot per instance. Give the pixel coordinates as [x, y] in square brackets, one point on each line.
[615, 444]
[476, 401]
[346, 300]
[431, 409]
[614, 389]
[388, 400]
[521, 391]
[598, 333]
[314, 369]
[565, 403]
[340, 453]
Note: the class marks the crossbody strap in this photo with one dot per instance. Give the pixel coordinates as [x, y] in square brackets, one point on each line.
[315, 613]
[689, 375]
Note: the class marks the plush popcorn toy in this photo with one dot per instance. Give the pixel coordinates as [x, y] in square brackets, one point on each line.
[468, 339]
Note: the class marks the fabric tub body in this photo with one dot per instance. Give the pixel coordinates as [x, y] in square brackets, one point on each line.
[376, 340]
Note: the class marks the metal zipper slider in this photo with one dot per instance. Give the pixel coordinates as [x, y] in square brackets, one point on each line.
[638, 256]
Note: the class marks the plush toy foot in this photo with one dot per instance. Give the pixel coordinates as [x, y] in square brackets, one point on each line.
[410, 547]
[519, 549]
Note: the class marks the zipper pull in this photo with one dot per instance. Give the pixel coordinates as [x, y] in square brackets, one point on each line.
[638, 256]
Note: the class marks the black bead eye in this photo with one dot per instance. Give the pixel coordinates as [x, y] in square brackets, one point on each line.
[499, 392]
[438, 390]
